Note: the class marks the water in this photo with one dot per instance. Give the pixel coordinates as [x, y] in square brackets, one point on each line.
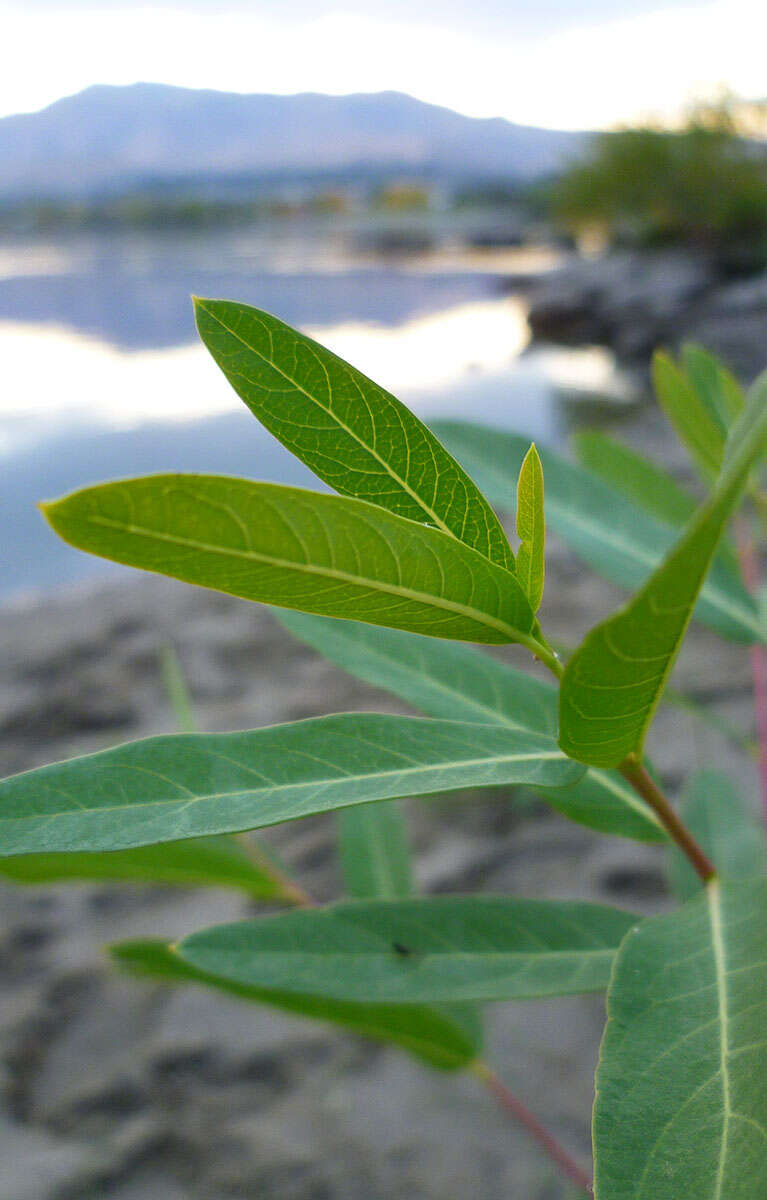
[103, 375]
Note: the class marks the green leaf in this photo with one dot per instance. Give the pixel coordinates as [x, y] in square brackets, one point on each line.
[375, 855]
[299, 549]
[687, 411]
[613, 683]
[409, 951]
[717, 388]
[681, 1088]
[618, 539]
[447, 1037]
[531, 527]
[716, 815]
[635, 477]
[200, 862]
[347, 429]
[460, 682]
[190, 785]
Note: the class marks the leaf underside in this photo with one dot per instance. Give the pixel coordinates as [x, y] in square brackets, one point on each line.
[190, 785]
[681, 1088]
[447, 1037]
[465, 684]
[409, 951]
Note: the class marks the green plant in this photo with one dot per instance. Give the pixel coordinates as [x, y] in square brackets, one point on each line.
[412, 547]
[703, 184]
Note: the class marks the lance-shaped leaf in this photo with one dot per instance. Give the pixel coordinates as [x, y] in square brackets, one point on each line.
[298, 549]
[199, 862]
[681, 1088]
[447, 1037]
[374, 849]
[613, 683]
[460, 682]
[719, 390]
[189, 785]
[634, 476]
[649, 488]
[347, 429]
[406, 951]
[714, 812]
[696, 426]
[531, 527]
[622, 542]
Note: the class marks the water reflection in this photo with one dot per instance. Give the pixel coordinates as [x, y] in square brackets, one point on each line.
[104, 377]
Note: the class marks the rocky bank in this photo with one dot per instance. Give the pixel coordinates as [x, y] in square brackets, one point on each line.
[634, 301]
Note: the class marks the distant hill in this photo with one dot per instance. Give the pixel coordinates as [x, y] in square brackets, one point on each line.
[105, 139]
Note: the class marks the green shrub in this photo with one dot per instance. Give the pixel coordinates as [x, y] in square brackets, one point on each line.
[388, 578]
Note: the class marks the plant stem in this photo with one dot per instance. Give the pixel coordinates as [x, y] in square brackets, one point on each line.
[537, 1130]
[640, 780]
[749, 565]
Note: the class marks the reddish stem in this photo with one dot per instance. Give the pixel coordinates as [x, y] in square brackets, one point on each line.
[545, 1139]
[749, 563]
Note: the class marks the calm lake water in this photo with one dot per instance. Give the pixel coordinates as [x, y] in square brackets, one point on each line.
[103, 375]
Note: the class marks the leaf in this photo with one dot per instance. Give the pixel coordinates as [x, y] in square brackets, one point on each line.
[635, 477]
[190, 785]
[717, 388]
[299, 549]
[715, 814]
[681, 1088]
[200, 862]
[447, 1037]
[531, 528]
[426, 949]
[375, 855]
[460, 682]
[347, 429]
[613, 683]
[699, 431]
[618, 539]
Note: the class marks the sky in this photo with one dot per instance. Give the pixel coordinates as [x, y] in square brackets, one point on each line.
[571, 64]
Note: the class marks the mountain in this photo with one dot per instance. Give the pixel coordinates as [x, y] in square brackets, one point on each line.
[105, 139]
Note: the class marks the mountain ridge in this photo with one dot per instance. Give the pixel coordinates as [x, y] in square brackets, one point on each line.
[109, 137]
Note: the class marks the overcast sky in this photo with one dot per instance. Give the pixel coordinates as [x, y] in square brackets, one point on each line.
[560, 63]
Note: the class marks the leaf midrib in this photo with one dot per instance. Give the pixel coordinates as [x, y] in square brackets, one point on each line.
[334, 417]
[187, 802]
[425, 598]
[714, 900]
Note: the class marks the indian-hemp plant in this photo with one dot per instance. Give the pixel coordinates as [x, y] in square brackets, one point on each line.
[389, 578]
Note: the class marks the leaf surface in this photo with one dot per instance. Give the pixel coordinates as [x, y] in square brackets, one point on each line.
[462, 683]
[531, 527]
[681, 1088]
[190, 785]
[199, 862]
[613, 683]
[621, 541]
[714, 812]
[696, 426]
[635, 477]
[435, 948]
[447, 1037]
[297, 549]
[348, 430]
[375, 855]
